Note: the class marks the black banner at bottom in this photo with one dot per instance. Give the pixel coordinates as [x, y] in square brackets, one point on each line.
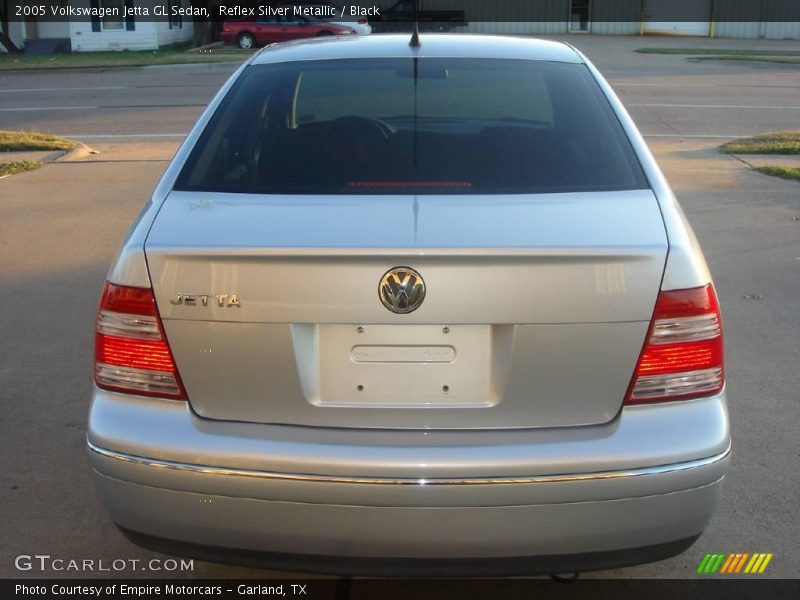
[400, 589]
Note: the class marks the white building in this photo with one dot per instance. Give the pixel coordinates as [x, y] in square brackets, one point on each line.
[110, 33]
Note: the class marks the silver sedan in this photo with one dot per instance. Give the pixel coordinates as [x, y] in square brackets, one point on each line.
[410, 309]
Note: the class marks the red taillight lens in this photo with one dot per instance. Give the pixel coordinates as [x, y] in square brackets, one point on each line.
[682, 357]
[131, 353]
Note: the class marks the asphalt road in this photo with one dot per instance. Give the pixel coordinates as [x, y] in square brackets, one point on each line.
[667, 95]
[59, 228]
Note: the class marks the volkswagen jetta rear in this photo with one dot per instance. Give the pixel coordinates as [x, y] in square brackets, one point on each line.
[447, 313]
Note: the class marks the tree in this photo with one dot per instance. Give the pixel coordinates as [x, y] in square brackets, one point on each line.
[5, 38]
[205, 30]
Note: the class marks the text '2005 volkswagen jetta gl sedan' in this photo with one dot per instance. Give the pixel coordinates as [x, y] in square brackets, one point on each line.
[409, 309]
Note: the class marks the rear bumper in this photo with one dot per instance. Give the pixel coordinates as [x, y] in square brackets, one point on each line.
[414, 567]
[592, 494]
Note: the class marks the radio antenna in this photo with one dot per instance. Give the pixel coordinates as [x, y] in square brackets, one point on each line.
[415, 43]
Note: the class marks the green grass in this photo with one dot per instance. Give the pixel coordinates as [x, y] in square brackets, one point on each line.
[20, 141]
[785, 60]
[782, 172]
[776, 56]
[718, 51]
[123, 58]
[780, 142]
[18, 166]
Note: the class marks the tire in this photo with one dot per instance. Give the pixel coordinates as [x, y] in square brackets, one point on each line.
[246, 41]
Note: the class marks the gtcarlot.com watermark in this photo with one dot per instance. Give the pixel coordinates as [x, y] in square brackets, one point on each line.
[48, 563]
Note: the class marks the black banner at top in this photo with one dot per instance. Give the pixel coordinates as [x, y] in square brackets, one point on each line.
[453, 12]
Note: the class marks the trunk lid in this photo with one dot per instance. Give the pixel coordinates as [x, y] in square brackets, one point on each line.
[536, 306]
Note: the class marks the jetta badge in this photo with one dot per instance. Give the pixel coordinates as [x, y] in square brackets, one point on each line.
[221, 300]
[402, 290]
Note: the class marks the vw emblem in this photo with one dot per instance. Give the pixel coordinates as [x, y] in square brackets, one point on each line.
[401, 290]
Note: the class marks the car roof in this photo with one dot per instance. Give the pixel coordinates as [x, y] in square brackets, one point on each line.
[432, 46]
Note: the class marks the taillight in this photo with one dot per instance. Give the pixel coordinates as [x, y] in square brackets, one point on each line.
[131, 353]
[682, 357]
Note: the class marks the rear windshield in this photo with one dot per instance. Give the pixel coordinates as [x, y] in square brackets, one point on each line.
[399, 126]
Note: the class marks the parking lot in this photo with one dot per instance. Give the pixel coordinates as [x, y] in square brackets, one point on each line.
[60, 226]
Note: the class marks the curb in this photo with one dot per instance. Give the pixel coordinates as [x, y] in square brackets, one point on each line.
[206, 47]
[79, 152]
[110, 67]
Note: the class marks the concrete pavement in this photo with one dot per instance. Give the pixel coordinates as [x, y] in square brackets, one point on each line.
[749, 227]
[59, 229]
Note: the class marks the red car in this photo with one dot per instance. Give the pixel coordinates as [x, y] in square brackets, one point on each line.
[266, 30]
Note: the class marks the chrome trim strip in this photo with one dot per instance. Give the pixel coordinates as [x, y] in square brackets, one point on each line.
[193, 468]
